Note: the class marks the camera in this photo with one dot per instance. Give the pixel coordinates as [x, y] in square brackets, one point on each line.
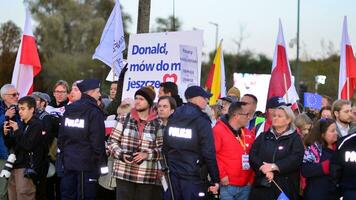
[16, 108]
[7, 120]
[6, 171]
[130, 157]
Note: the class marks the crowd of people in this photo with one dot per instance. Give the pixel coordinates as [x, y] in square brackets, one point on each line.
[61, 147]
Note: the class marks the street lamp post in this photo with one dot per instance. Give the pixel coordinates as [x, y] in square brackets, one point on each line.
[216, 34]
[297, 77]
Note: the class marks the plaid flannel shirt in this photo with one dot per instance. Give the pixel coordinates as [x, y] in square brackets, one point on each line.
[132, 140]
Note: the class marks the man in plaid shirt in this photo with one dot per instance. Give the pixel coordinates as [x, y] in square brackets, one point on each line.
[136, 145]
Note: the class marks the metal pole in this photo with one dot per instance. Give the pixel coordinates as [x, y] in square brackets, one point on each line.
[216, 33]
[174, 17]
[297, 77]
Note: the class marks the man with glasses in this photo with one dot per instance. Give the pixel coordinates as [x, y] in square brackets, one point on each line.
[342, 113]
[56, 109]
[251, 104]
[232, 145]
[8, 111]
[60, 93]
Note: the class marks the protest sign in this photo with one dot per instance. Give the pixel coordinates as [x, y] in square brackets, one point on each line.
[256, 84]
[156, 57]
[189, 65]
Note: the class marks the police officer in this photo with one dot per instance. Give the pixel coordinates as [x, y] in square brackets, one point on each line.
[81, 141]
[188, 146]
[343, 166]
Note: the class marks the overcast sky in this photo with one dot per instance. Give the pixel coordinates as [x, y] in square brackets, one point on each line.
[320, 20]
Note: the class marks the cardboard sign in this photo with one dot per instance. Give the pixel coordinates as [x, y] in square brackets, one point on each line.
[156, 57]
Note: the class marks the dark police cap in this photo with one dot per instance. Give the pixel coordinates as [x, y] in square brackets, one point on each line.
[88, 84]
[275, 102]
[230, 99]
[196, 91]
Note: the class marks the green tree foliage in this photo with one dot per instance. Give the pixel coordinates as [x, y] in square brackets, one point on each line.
[67, 34]
[247, 62]
[9, 42]
[166, 24]
[329, 67]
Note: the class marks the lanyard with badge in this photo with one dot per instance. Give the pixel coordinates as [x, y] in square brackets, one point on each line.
[245, 156]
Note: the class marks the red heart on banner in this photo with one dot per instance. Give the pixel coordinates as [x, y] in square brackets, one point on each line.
[170, 78]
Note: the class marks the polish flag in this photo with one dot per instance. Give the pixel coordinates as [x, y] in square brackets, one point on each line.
[27, 64]
[347, 74]
[110, 124]
[281, 78]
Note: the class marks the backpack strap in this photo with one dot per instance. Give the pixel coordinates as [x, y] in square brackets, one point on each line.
[42, 115]
[126, 121]
[156, 124]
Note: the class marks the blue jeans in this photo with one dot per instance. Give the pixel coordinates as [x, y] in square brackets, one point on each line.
[231, 192]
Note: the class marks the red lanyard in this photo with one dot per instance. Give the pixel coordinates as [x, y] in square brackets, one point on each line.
[242, 142]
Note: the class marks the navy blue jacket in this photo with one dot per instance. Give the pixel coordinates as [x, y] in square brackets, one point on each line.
[81, 137]
[3, 148]
[319, 185]
[188, 144]
[343, 164]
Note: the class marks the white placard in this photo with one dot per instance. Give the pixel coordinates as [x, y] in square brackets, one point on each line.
[155, 57]
[256, 84]
[189, 65]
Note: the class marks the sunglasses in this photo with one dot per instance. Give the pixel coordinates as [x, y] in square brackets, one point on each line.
[14, 94]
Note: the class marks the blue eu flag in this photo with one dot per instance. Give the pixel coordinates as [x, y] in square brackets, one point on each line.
[312, 100]
[282, 196]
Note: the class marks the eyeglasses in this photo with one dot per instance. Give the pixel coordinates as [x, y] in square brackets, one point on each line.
[60, 92]
[14, 94]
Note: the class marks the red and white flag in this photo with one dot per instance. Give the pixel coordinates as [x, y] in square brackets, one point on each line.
[27, 64]
[347, 73]
[281, 78]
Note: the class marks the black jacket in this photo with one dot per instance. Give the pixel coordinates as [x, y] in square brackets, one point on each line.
[48, 125]
[343, 164]
[287, 153]
[29, 140]
[188, 144]
[81, 137]
[319, 185]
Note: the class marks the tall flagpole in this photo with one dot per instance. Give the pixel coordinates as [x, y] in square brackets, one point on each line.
[297, 76]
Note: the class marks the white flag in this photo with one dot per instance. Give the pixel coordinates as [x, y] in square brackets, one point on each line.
[112, 41]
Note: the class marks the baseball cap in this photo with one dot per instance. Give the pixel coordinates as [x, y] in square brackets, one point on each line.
[276, 101]
[195, 91]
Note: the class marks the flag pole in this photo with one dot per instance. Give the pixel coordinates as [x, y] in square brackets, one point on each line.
[285, 86]
[113, 72]
[348, 88]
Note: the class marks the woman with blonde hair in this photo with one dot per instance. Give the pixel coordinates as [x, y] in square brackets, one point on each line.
[276, 157]
[303, 124]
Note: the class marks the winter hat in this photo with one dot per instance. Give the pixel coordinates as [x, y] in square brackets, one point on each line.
[148, 93]
[88, 84]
